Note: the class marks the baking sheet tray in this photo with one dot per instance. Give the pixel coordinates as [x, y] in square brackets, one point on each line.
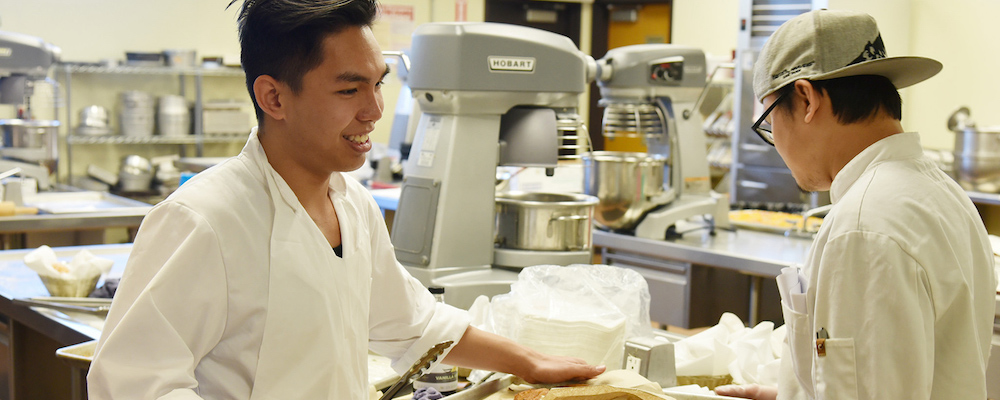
[772, 221]
[82, 202]
[494, 385]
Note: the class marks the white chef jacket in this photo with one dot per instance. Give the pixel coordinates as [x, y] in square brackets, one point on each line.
[900, 278]
[232, 292]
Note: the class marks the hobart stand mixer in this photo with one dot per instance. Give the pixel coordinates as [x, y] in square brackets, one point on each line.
[650, 91]
[490, 94]
[28, 145]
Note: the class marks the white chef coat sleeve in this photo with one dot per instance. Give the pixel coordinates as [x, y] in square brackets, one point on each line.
[873, 300]
[405, 320]
[168, 312]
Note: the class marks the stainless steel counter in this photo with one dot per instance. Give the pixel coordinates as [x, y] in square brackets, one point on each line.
[19, 281]
[52, 222]
[73, 209]
[984, 198]
[747, 251]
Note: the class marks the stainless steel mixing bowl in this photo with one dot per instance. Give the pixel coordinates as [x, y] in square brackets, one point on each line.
[626, 184]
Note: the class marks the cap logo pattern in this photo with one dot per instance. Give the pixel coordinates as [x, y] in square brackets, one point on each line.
[794, 70]
[872, 51]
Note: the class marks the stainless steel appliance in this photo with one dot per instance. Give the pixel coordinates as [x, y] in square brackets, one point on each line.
[759, 177]
[490, 94]
[23, 60]
[976, 163]
[27, 144]
[649, 91]
[31, 141]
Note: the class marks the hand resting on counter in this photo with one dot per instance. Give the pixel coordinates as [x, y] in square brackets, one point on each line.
[483, 350]
[752, 391]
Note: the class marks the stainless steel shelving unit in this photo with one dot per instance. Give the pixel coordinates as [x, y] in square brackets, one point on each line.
[116, 139]
[197, 138]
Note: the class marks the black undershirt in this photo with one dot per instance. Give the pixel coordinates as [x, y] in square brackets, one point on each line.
[339, 250]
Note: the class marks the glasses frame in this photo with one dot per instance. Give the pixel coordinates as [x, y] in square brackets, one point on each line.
[765, 133]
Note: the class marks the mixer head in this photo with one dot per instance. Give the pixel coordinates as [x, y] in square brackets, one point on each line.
[23, 60]
[634, 80]
[633, 119]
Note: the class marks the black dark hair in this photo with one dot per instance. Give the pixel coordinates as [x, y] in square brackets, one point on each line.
[283, 38]
[856, 98]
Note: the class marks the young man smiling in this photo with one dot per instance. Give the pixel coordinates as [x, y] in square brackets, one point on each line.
[896, 298]
[271, 275]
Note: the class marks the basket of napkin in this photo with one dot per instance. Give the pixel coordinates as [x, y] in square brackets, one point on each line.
[730, 352]
[76, 278]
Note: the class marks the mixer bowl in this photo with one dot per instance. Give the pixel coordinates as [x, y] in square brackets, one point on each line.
[544, 221]
[627, 185]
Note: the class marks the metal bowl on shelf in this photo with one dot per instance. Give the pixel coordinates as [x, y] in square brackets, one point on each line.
[94, 121]
[136, 174]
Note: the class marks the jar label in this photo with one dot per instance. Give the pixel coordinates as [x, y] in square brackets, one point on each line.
[441, 379]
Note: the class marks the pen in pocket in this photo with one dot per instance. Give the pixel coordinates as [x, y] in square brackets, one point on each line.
[821, 337]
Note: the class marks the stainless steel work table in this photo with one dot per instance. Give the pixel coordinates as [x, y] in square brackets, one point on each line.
[71, 217]
[32, 370]
[757, 254]
[743, 250]
[91, 220]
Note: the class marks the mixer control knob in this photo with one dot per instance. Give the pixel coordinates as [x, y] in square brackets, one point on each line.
[670, 70]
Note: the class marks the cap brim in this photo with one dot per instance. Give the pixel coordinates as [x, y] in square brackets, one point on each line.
[902, 71]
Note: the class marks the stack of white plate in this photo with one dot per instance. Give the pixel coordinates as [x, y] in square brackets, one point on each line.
[137, 114]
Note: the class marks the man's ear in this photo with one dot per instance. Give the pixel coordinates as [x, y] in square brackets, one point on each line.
[269, 94]
[812, 98]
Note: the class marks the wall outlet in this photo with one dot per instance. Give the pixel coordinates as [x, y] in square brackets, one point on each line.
[632, 363]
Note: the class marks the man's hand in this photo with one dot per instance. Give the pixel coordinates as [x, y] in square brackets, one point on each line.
[483, 350]
[752, 391]
[555, 369]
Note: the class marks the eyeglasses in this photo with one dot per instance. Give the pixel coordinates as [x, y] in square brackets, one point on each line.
[762, 127]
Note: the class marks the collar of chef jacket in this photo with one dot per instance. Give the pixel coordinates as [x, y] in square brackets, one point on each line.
[900, 146]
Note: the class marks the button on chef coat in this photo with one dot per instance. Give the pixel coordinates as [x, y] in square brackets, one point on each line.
[901, 279]
[232, 292]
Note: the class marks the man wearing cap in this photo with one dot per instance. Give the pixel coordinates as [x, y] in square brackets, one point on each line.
[896, 300]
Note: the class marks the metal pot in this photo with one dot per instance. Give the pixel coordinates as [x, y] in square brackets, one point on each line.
[977, 158]
[33, 141]
[544, 221]
[627, 185]
[976, 162]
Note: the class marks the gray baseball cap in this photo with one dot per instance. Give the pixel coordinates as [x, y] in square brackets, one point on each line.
[827, 44]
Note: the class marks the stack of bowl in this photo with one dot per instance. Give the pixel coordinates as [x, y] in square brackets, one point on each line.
[172, 116]
[137, 114]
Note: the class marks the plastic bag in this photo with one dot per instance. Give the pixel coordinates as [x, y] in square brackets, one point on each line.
[585, 311]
